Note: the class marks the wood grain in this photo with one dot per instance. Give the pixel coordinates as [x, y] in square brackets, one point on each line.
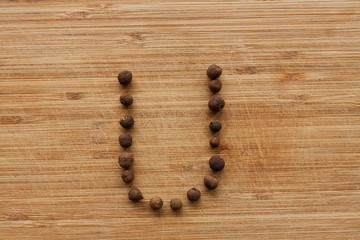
[291, 122]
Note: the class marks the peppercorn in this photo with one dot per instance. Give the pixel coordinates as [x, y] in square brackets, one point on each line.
[215, 85]
[211, 182]
[215, 126]
[125, 140]
[156, 203]
[214, 142]
[193, 194]
[135, 194]
[127, 176]
[175, 204]
[216, 103]
[127, 121]
[126, 99]
[125, 77]
[214, 71]
[216, 163]
[126, 160]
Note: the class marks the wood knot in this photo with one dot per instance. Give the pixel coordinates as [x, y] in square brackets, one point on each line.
[247, 70]
[11, 119]
[301, 97]
[74, 96]
[98, 6]
[289, 77]
[187, 167]
[99, 125]
[17, 217]
[289, 54]
[224, 147]
[136, 36]
[263, 196]
[79, 15]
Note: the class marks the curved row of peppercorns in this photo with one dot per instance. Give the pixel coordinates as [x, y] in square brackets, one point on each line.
[216, 104]
[126, 159]
[216, 163]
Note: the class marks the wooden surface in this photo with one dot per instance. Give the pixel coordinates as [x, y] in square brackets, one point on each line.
[291, 121]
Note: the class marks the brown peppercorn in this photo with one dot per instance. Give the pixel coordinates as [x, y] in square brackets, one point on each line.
[127, 176]
[125, 140]
[156, 203]
[193, 194]
[216, 103]
[126, 160]
[214, 142]
[125, 77]
[215, 126]
[135, 194]
[175, 204]
[127, 121]
[215, 85]
[211, 182]
[126, 99]
[216, 163]
[214, 71]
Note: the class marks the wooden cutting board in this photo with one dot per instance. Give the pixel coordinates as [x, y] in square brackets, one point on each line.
[291, 122]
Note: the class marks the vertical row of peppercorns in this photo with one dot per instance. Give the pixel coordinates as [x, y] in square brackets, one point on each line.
[216, 104]
[126, 159]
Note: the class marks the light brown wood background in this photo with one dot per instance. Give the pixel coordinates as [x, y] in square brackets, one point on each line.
[291, 121]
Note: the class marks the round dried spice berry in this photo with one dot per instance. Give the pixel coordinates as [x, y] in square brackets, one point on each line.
[216, 103]
[135, 194]
[215, 85]
[216, 163]
[214, 142]
[127, 176]
[156, 203]
[127, 121]
[126, 160]
[193, 194]
[211, 182]
[125, 140]
[214, 71]
[126, 99]
[215, 126]
[125, 77]
[175, 204]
